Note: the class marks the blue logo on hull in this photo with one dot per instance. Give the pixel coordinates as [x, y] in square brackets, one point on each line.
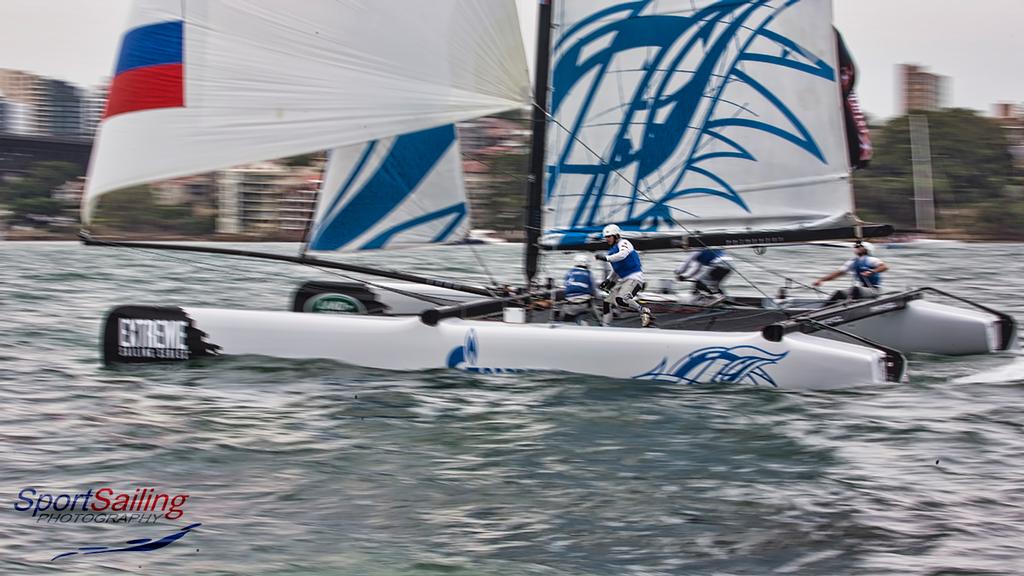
[464, 358]
[718, 364]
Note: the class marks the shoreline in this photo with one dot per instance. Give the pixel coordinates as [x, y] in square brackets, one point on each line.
[511, 237]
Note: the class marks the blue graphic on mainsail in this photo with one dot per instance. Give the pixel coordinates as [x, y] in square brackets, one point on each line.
[673, 117]
[138, 545]
[354, 211]
[719, 364]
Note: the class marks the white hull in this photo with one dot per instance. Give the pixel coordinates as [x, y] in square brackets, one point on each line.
[798, 361]
[932, 328]
[921, 326]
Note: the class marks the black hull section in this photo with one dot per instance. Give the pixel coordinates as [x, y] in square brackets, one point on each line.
[147, 334]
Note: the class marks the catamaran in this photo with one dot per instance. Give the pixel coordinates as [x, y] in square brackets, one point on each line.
[688, 123]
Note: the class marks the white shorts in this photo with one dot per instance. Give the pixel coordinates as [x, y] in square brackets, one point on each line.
[625, 289]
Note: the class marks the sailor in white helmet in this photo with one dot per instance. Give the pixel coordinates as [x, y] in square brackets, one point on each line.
[579, 292]
[866, 271]
[627, 276]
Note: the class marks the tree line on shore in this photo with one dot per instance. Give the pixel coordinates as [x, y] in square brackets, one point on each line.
[978, 191]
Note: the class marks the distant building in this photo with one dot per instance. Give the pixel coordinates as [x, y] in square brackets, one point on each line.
[297, 205]
[495, 187]
[267, 197]
[94, 102]
[921, 90]
[18, 118]
[70, 192]
[1011, 119]
[197, 192]
[44, 106]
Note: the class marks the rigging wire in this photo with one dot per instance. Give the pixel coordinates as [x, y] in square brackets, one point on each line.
[640, 191]
[437, 301]
[783, 276]
[483, 264]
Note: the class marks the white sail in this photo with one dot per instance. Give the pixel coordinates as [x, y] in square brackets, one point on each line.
[201, 86]
[681, 116]
[393, 192]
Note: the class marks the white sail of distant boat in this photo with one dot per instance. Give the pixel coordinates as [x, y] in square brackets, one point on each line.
[393, 192]
[921, 158]
[707, 115]
[201, 86]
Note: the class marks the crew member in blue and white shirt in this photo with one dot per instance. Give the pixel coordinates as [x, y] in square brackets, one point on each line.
[627, 277]
[706, 269]
[579, 291]
[866, 271]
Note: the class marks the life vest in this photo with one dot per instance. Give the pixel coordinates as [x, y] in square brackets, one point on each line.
[628, 265]
[707, 256]
[578, 282]
[863, 264]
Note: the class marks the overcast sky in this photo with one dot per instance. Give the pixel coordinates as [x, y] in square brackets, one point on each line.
[976, 42]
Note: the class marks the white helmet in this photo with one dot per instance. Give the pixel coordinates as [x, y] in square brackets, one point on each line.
[612, 230]
[867, 246]
[581, 260]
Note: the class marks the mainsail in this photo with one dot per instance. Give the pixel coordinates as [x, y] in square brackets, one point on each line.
[392, 192]
[201, 86]
[680, 116]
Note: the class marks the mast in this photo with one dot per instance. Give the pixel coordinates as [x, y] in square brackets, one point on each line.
[535, 179]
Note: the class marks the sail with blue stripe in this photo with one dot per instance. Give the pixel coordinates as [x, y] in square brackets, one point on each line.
[394, 192]
[673, 117]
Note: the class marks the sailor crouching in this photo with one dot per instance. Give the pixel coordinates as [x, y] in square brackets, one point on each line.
[579, 292]
[627, 277]
[706, 269]
[866, 271]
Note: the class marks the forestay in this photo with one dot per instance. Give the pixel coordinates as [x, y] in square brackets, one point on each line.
[679, 116]
[201, 86]
[392, 192]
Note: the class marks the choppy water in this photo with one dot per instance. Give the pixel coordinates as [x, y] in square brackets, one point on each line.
[320, 468]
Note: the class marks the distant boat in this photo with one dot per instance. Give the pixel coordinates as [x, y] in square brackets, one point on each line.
[924, 197]
[913, 241]
[483, 236]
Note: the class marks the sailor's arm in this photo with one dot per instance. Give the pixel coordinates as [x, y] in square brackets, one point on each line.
[882, 267]
[687, 269]
[620, 255]
[828, 277]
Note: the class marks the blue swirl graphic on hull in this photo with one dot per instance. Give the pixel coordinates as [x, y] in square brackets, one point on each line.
[674, 115]
[718, 364]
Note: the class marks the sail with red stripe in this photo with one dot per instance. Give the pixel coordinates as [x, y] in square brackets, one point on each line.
[149, 70]
[203, 86]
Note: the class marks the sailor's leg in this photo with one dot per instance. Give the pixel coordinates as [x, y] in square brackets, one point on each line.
[577, 309]
[863, 292]
[625, 293]
[715, 278]
[626, 298]
[840, 295]
[606, 308]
